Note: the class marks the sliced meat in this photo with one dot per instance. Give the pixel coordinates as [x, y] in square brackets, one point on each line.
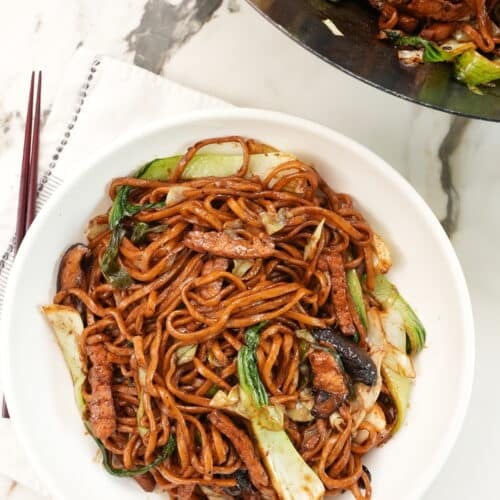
[340, 294]
[325, 404]
[439, 10]
[356, 361]
[213, 265]
[101, 406]
[251, 496]
[407, 23]
[327, 374]
[438, 31]
[225, 245]
[328, 383]
[312, 437]
[243, 446]
[146, 481]
[185, 492]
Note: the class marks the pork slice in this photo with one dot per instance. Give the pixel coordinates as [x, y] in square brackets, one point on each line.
[243, 446]
[101, 406]
[340, 293]
[328, 383]
[225, 245]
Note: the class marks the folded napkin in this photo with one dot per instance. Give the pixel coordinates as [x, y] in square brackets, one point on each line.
[99, 100]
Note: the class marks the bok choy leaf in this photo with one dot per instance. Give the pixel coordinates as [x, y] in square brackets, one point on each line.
[248, 373]
[474, 69]
[390, 298]
[110, 266]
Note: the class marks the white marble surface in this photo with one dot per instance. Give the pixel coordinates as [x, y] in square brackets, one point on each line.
[234, 54]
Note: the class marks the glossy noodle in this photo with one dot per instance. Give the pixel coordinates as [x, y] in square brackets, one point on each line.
[224, 313]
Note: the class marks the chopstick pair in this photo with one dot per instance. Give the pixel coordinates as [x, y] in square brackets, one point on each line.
[29, 169]
[29, 172]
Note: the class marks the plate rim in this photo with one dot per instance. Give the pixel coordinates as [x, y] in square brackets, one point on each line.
[6, 323]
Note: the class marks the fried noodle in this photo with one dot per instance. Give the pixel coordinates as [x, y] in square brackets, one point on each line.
[185, 295]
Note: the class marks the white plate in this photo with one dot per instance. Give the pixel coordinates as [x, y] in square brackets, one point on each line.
[426, 269]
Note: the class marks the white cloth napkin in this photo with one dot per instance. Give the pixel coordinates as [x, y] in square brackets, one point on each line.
[99, 100]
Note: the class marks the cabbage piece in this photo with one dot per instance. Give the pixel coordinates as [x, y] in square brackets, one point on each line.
[400, 387]
[382, 260]
[306, 335]
[376, 417]
[390, 298]
[67, 326]
[175, 195]
[274, 222]
[291, 477]
[302, 410]
[396, 369]
[399, 362]
[312, 244]
[186, 353]
[474, 69]
[356, 292]
[239, 402]
[394, 328]
[241, 266]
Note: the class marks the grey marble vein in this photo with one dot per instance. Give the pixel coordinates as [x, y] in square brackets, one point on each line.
[10, 124]
[448, 146]
[5, 121]
[45, 115]
[164, 28]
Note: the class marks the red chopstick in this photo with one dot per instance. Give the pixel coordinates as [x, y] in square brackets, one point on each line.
[29, 173]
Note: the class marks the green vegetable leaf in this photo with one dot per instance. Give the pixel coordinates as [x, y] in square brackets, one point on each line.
[122, 208]
[248, 372]
[432, 52]
[474, 69]
[212, 391]
[116, 213]
[159, 169]
[212, 165]
[142, 228]
[390, 298]
[110, 267]
[165, 452]
[67, 326]
[354, 286]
